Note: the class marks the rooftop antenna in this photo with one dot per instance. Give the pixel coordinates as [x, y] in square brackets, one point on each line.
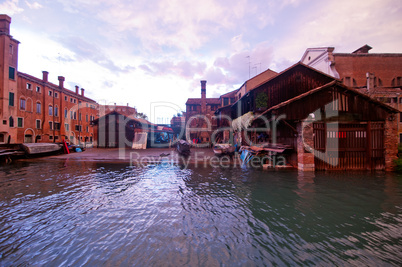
[248, 67]
[260, 66]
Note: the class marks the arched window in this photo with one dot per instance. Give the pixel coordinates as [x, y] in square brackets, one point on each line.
[38, 107]
[397, 81]
[50, 110]
[23, 104]
[11, 121]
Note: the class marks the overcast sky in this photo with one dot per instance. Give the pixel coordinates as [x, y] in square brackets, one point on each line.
[145, 52]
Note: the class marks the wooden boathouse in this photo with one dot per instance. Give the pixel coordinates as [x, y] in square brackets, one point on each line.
[114, 130]
[333, 127]
[328, 125]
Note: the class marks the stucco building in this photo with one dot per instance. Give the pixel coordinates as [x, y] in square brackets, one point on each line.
[34, 109]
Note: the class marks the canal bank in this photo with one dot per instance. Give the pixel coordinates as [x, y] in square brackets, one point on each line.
[199, 157]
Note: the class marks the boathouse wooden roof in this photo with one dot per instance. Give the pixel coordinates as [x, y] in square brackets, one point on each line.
[131, 117]
[354, 102]
[209, 101]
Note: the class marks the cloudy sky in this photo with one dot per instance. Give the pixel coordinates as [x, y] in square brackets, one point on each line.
[153, 53]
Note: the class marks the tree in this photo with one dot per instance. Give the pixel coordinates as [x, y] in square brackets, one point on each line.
[261, 101]
[141, 115]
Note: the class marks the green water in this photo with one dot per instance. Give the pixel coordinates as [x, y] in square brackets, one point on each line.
[74, 214]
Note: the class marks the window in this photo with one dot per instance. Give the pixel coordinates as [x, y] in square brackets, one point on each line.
[65, 113]
[75, 101]
[56, 95]
[75, 115]
[71, 115]
[38, 108]
[79, 116]
[50, 93]
[20, 122]
[37, 89]
[78, 128]
[1, 138]
[11, 99]
[71, 100]
[57, 126]
[56, 111]
[50, 110]
[22, 104]
[86, 118]
[11, 73]
[65, 98]
[38, 124]
[11, 121]
[87, 129]
[66, 126]
[346, 81]
[51, 137]
[225, 101]
[29, 86]
[51, 125]
[11, 49]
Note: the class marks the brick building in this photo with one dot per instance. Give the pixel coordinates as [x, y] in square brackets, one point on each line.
[200, 120]
[378, 75]
[123, 110]
[34, 109]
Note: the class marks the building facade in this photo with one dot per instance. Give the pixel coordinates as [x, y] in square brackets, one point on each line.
[378, 75]
[36, 110]
[200, 119]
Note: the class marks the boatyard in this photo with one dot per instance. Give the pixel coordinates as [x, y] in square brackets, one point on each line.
[200, 133]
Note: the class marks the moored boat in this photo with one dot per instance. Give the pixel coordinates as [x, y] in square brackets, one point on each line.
[183, 147]
[223, 149]
[41, 148]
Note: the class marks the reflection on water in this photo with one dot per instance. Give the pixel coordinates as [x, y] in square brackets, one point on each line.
[59, 213]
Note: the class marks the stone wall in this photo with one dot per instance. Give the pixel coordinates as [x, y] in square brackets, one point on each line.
[305, 145]
[390, 142]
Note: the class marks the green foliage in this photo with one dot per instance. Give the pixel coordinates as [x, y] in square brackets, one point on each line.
[141, 115]
[400, 149]
[398, 165]
[261, 101]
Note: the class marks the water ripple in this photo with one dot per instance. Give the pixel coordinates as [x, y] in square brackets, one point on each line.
[116, 215]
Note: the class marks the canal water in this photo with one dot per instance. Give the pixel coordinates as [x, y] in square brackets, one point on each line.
[63, 213]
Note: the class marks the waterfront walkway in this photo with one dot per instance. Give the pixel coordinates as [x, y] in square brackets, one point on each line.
[137, 156]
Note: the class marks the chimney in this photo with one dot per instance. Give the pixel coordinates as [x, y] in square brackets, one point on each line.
[370, 81]
[203, 97]
[203, 89]
[45, 76]
[76, 89]
[61, 81]
[82, 91]
[5, 24]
